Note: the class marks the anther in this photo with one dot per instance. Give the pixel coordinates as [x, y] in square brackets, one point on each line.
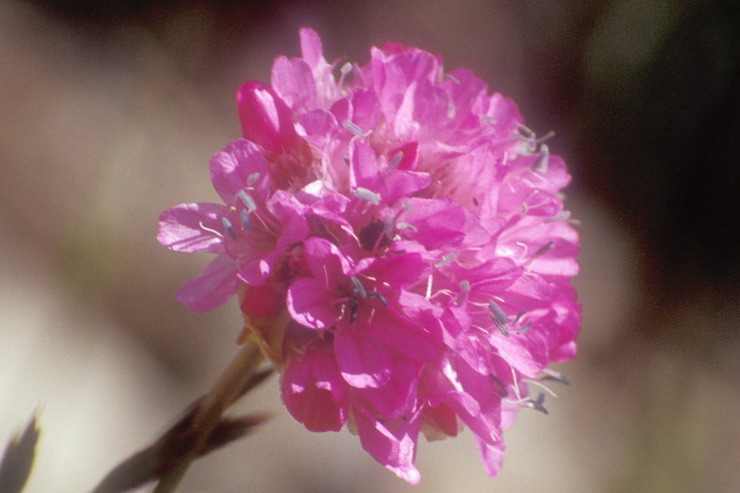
[253, 178]
[538, 404]
[359, 288]
[549, 374]
[452, 78]
[525, 328]
[464, 291]
[229, 228]
[380, 297]
[498, 317]
[247, 200]
[560, 216]
[396, 159]
[388, 227]
[352, 128]
[502, 392]
[368, 195]
[245, 220]
[544, 248]
[450, 257]
[541, 164]
[354, 306]
[407, 226]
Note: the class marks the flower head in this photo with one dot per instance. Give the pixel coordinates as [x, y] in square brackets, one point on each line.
[398, 244]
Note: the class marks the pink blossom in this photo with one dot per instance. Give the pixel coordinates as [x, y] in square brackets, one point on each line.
[399, 246]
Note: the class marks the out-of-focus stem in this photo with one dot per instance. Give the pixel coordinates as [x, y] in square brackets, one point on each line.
[226, 390]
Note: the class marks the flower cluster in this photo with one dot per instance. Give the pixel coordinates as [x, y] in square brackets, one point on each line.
[398, 244]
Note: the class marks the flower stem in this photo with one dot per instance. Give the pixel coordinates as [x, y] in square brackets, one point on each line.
[226, 390]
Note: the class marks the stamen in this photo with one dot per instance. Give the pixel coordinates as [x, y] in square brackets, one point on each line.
[346, 68]
[354, 306]
[549, 374]
[396, 160]
[498, 317]
[352, 128]
[526, 132]
[541, 165]
[464, 291]
[450, 257]
[540, 385]
[502, 386]
[538, 404]
[388, 227]
[517, 391]
[247, 200]
[407, 226]
[229, 228]
[253, 178]
[210, 230]
[525, 328]
[544, 248]
[368, 195]
[560, 216]
[524, 247]
[359, 288]
[452, 78]
[380, 297]
[245, 220]
[549, 135]
[530, 137]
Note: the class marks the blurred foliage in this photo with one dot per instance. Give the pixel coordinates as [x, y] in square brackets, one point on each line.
[17, 461]
[662, 123]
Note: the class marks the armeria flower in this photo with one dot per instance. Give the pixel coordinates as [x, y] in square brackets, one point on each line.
[399, 246]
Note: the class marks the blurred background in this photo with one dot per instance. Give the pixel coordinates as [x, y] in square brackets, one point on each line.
[110, 110]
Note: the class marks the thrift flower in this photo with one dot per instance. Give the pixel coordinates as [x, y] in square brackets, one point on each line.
[399, 246]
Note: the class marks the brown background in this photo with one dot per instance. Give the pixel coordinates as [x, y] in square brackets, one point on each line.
[110, 110]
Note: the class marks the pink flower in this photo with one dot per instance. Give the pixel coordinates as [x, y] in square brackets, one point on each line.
[399, 245]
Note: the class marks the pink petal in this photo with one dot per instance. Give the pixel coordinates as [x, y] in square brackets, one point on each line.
[526, 353]
[310, 304]
[231, 169]
[391, 442]
[365, 168]
[363, 360]
[294, 82]
[212, 288]
[311, 48]
[192, 228]
[409, 156]
[400, 334]
[266, 119]
[262, 301]
[400, 271]
[314, 392]
[325, 260]
[492, 454]
[397, 397]
[437, 222]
